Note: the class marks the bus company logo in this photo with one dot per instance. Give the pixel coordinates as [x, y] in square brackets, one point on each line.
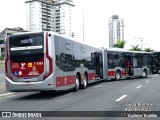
[22, 65]
[15, 65]
[29, 64]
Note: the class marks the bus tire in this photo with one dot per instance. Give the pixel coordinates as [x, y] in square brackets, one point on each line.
[117, 75]
[145, 74]
[77, 84]
[85, 82]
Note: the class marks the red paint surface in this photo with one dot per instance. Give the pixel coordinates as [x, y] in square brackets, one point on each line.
[70, 80]
[123, 72]
[91, 76]
[6, 60]
[29, 69]
[111, 73]
[65, 80]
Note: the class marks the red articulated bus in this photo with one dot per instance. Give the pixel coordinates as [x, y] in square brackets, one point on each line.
[44, 61]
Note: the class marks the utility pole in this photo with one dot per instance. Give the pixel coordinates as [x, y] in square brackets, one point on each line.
[141, 42]
[83, 23]
[123, 30]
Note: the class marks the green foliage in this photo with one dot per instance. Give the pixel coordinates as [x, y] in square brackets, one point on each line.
[135, 48]
[148, 49]
[120, 44]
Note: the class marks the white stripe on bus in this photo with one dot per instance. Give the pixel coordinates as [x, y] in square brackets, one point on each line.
[26, 48]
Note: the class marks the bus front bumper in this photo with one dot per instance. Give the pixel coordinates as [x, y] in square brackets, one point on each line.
[12, 86]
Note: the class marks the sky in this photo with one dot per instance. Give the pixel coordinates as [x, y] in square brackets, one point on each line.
[141, 19]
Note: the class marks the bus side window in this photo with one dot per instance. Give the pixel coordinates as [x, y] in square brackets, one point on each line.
[92, 56]
[56, 57]
[134, 62]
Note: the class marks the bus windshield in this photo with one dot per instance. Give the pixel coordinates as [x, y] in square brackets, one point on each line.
[26, 48]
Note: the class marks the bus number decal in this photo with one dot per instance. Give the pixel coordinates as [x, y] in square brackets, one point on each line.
[38, 63]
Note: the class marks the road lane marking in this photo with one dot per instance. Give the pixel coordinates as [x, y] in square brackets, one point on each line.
[147, 81]
[121, 98]
[152, 78]
[139, 86]
[155, 76]
[6, 94]
[96, 86]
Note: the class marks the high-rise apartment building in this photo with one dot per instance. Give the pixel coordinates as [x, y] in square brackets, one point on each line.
[49, 15]
[116, 30]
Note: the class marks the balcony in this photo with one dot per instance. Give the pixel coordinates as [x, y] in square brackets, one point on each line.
[57, 21]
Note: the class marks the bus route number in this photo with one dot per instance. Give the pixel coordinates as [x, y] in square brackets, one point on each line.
[25, 41]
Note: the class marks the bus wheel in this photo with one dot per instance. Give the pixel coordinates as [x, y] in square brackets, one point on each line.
[76, 88]
[145, 73]
[85, 81]
[117, 75]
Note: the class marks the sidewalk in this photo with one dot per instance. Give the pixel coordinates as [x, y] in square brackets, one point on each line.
[2, 79]
[2, 66]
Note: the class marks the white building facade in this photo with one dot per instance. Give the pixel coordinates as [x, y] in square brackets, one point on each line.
[49, 15]
[116, 30]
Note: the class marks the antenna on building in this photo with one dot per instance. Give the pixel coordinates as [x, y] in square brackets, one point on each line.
[83, 23]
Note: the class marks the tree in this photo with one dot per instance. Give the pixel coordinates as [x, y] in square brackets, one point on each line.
[135, 48]
[148, 49]
[120, 44]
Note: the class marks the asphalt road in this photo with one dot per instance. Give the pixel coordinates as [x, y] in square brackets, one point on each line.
[101, 96]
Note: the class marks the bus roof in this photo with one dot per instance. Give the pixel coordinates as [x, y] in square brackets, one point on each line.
[124, 50]
[60, 35]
